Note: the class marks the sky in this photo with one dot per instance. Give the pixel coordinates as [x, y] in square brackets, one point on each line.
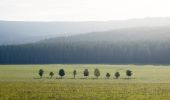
[82, 10]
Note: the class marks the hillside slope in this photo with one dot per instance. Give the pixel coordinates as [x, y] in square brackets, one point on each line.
[18, 32]
[142, 45]
[138, 34]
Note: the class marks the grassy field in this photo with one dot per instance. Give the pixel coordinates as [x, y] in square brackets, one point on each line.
[22, 82]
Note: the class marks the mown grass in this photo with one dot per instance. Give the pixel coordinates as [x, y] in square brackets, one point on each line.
[21, 82]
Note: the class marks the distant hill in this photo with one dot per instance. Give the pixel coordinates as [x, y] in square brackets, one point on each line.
[137, 34]
[18, 32]
[140, 45]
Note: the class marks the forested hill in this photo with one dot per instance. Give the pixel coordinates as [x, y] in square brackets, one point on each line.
[140, 34]
[143, 45]
[20, 32]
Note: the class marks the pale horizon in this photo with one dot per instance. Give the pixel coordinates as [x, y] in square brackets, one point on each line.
[82, 10]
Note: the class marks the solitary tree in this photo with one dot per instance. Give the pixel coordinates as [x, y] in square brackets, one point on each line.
[41, 72]
[108, 75]
[74, 73]
[96, 73]
[117, 75]
[128, 73]
[61, 73]
[86, 73]
[51, 74]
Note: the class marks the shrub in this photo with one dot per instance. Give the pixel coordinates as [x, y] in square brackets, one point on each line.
[41, 72]
[108, 75]
[128, 73]
[61, 73]
[96, 73]
[74, 73]
[86, 73]
[51, 74]
[117, 75]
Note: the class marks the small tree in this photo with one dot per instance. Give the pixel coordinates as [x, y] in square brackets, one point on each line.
[86, 73]
[96, 73]
[117, 75]
[51, 74]
[128, 73]
[108, 75]
[61, 73]
[41, 72]
[74, 73]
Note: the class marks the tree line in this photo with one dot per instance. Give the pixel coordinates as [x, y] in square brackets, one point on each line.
[86, 52]
[86, 73]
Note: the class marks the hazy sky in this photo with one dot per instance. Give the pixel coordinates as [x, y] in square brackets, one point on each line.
[82, 10]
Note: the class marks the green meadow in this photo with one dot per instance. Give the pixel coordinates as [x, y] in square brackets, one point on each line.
[22, 82]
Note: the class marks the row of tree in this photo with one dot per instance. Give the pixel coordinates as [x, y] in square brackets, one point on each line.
[86, 73]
